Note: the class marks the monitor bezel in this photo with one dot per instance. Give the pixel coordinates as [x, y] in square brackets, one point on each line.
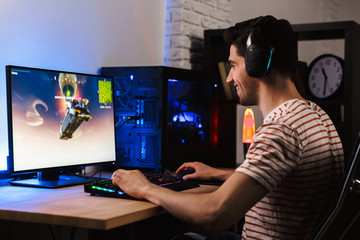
[11, 170]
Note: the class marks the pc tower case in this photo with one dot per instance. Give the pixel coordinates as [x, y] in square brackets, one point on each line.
[165, 116]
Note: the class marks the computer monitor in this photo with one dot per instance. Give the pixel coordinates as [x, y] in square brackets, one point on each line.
[57, 120]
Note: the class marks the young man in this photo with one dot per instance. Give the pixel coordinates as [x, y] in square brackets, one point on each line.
[294, 163]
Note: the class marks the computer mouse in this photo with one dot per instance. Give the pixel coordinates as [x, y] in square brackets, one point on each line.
[185, 171]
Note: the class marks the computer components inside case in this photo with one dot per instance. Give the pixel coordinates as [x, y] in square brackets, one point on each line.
[163, 116]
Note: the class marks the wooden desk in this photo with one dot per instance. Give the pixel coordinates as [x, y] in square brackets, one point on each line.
[73, 207]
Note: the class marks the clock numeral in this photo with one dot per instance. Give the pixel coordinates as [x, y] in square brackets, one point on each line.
[316, 70]
[321, 64]
[328, 61]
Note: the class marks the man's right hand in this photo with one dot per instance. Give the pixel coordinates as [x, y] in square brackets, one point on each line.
[203, 172]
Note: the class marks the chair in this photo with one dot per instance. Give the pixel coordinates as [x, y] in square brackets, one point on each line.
[350, 185]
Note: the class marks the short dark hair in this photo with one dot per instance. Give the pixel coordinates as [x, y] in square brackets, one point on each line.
[278, 34]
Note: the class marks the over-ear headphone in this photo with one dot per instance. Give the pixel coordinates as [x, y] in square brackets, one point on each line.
[258, 53]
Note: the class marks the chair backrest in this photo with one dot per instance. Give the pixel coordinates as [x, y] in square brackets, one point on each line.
[325, 225]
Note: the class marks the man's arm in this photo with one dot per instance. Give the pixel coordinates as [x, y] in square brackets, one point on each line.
[204, 172]
[214, 211]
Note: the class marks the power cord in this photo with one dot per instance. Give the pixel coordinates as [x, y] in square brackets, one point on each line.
[127, 119]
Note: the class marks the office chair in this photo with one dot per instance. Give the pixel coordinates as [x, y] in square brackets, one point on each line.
[350, 185]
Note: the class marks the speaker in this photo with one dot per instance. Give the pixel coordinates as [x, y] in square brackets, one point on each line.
[258, 52]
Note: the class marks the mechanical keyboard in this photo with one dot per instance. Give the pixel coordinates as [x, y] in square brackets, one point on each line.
[104, 187]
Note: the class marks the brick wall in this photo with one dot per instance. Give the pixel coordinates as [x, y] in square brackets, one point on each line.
[186, 21]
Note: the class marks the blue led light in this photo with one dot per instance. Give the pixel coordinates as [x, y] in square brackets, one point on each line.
[143, 147]
[268, 66]
[131, 77]
[202, 134]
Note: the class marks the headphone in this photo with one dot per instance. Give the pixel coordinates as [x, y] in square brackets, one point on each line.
[258, 53]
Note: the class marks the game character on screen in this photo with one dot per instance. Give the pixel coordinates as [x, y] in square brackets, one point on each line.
[76, 109]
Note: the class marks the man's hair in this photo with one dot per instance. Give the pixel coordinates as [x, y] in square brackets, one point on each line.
[279, 34]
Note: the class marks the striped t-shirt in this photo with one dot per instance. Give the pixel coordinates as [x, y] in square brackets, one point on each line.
[297, 155]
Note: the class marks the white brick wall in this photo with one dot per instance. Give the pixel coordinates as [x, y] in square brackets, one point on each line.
[185, 24]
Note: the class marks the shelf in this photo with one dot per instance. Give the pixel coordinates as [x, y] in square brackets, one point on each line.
[322, 31]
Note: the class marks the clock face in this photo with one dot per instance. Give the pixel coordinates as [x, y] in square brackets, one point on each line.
[325, 77]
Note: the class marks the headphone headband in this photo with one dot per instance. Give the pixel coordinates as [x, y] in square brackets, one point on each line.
[264, 21]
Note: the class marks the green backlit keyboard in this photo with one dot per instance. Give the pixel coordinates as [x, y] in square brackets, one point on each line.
[104, 187]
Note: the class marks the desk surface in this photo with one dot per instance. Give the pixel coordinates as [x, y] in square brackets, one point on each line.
[71, 206]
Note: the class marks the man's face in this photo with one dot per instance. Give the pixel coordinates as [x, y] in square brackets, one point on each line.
[246, 87]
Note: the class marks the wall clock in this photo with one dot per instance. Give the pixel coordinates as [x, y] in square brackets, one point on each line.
[325, 75]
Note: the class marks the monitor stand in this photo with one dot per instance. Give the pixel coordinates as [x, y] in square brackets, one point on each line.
[51, 179]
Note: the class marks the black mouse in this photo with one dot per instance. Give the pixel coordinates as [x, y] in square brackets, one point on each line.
[185, 171]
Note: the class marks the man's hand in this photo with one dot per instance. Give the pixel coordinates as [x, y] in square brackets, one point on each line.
[203, 172]
[134, 183]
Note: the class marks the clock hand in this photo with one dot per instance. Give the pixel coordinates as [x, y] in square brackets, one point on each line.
[325, 80]
[324, 73]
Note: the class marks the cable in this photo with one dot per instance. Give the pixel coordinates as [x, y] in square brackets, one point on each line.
[77, 175]
[100, 171]
[350, 225]
[52, 232]
[7, 226]
[72, 234]
[128, 118]
[119, 125]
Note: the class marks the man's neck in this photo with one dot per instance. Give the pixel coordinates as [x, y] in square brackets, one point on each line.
[279, 91]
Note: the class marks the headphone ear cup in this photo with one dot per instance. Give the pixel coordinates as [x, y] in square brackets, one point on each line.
[258, 53]
[258, 60]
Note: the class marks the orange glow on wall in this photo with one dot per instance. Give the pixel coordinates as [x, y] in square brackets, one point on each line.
[248, 126]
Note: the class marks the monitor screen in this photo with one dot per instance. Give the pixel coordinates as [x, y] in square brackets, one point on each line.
[59, 119]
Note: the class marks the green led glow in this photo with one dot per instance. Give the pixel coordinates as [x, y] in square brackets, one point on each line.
[103, 189]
